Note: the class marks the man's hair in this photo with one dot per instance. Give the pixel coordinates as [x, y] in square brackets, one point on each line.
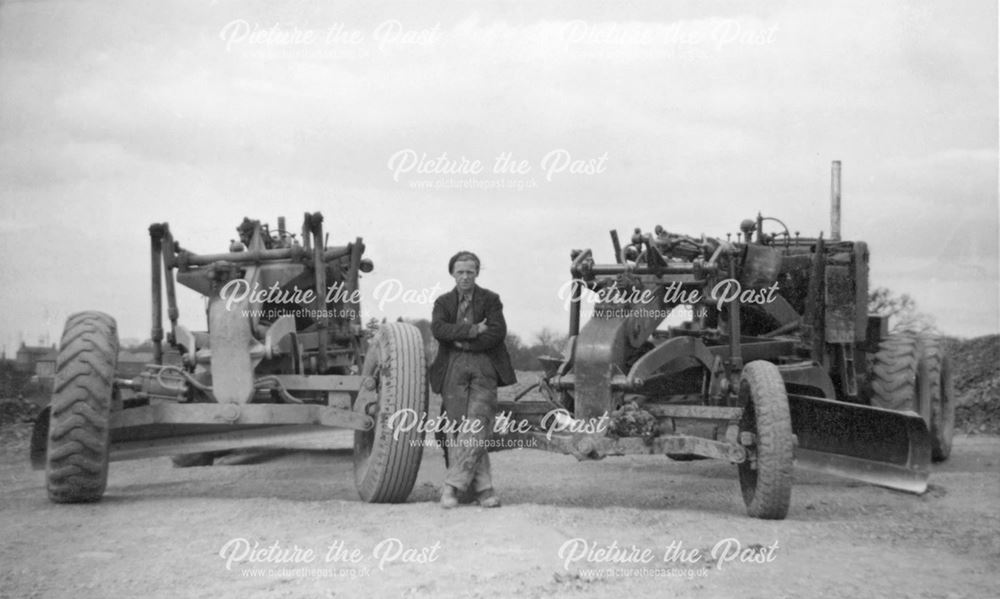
[463, 255]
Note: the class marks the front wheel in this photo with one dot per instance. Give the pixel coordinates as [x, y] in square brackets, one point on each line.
[766, 433]
[386, 464]
[79, 435]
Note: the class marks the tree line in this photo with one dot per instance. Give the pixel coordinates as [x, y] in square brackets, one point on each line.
[523, 355]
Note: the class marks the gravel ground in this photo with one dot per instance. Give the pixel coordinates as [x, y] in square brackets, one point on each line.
[167, 532]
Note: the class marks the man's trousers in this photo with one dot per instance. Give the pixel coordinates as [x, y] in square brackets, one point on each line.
[470, 389]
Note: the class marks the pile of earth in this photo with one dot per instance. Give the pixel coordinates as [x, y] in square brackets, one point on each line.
[975, 367]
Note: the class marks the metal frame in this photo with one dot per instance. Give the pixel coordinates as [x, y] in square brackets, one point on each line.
[174, 409]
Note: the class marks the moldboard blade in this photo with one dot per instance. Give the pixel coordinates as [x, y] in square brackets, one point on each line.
[882, 447]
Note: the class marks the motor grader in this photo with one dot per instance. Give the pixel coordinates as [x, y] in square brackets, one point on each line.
[284, 355]
[775, 362]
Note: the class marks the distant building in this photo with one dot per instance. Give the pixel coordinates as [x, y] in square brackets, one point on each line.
[40, 361]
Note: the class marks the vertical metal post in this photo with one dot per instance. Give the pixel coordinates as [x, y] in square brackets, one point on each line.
[578, 257]
[357, 248]
[307, 233]
[319, 265]
[835, 202]
[156, 334]
[815, 316]
[735, 349]
[574, 309]
[167, 249]
[618, 247]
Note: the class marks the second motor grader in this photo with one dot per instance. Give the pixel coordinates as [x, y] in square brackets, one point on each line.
[777, 363]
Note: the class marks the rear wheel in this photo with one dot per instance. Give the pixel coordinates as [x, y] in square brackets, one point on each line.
[386, 465]
[912, 373]
[79, 439]
[892, 378]
[935, 369]
[766, 433]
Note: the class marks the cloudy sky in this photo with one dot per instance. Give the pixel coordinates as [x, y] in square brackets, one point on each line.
[520, 130]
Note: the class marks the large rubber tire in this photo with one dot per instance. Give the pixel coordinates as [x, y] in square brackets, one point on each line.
[935, 369]
[892, 374]
[766, 475]
[911, 373]
[385, 468]
[79, 441]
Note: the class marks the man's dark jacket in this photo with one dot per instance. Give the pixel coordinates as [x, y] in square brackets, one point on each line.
[485, 304]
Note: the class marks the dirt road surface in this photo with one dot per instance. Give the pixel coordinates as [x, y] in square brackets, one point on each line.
[167, 532]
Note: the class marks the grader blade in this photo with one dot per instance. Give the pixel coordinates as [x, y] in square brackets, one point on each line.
[882, 447]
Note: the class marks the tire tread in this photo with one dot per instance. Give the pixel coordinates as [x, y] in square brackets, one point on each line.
[79, 427]
[390, 470]
[768, 495]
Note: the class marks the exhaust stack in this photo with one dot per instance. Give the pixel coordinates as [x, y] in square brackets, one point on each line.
[835, 202]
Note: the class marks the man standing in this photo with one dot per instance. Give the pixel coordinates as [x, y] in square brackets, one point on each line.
[471, 362]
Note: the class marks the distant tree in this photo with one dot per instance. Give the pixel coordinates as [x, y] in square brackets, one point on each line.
[550, 341]
[902, 311]
[520, 356]
[525, 357]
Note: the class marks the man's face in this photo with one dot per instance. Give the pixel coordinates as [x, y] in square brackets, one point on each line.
[465, 273]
